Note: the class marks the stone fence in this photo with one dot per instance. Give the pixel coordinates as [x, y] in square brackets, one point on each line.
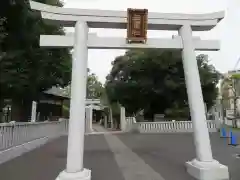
[14, 134]
[164, 127]
[229, 122]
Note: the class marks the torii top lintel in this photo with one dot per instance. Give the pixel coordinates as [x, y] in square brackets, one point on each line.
[118, 19]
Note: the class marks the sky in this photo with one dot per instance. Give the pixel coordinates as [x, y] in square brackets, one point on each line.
[227, 31]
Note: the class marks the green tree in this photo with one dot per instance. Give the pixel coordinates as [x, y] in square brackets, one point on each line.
[94, 87]
[27, 69]
[3, 32]
[94, 90]
[153, 80]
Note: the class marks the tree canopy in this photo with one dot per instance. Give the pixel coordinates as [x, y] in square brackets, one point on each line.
[25, 68]
[94, 90]
[153, 80]
[94, 87]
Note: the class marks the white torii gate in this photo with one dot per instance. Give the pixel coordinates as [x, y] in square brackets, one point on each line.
[89, 113]
[203, 167]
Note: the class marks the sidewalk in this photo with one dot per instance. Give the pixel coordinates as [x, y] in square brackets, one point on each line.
[234, 130]
[131, 165]
[99, 129]
[46, 162]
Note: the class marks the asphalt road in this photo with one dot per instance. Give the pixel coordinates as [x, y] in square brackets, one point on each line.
[121, 157]
[167, 153]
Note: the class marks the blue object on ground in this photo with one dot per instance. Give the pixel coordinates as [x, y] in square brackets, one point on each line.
[233, 140]
[223, 133]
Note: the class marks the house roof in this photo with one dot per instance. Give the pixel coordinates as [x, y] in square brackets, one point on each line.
[57, 91]
[65, 93]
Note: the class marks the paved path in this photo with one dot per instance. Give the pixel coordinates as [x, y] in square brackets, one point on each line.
[120, 157]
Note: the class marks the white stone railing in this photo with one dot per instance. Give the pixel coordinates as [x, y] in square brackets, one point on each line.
[14, 134]
[177, 126]
[130, 121]
[229, 122]
[161, 127]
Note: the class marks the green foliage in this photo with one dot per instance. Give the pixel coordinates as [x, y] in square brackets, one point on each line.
[94, 87]
[3, 32]
[66, 111]
[153, 80]
[177, 112]
[115, 112]
[26, 69]
[235, 76]
[115, 109]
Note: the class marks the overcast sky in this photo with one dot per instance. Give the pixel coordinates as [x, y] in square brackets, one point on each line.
[227, 31]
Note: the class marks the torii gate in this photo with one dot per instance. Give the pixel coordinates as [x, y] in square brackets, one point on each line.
[89, 113]
[203, 167]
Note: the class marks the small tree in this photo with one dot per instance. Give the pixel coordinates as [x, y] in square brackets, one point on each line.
[94, 87]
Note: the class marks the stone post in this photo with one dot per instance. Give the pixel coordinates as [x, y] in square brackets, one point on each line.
[105, 122]
[122, 119]
[34, 111]
[89, 111]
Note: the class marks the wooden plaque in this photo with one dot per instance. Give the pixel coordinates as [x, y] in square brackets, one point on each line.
[137, 25]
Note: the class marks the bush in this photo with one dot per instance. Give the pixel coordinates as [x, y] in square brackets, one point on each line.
[65, 113]
[177, 112]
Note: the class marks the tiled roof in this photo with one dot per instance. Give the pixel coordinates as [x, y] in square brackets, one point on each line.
[57, 91]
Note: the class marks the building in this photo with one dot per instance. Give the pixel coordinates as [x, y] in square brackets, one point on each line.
[50, 105]
[229, 90]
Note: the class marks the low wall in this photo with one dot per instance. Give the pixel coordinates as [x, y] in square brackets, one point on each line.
[19, 138]
[165, 127]
[229, 122]
[16, 151]
[171, 127]
[14, 134]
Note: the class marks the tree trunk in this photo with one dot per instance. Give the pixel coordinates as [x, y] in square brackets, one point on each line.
[17, 110]
[26, 111]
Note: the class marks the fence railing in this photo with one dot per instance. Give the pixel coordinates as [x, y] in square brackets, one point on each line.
[14, 134]
[130, 122]
[230, 122]
[170, 126]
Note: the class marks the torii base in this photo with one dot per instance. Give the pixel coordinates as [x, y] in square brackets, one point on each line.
[82, 175]
[207, 170]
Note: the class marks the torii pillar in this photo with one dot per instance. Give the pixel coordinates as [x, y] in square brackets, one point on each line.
[204, 167]
[75, 169]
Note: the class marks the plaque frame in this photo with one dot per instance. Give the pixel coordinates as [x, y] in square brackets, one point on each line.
[142, 16]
